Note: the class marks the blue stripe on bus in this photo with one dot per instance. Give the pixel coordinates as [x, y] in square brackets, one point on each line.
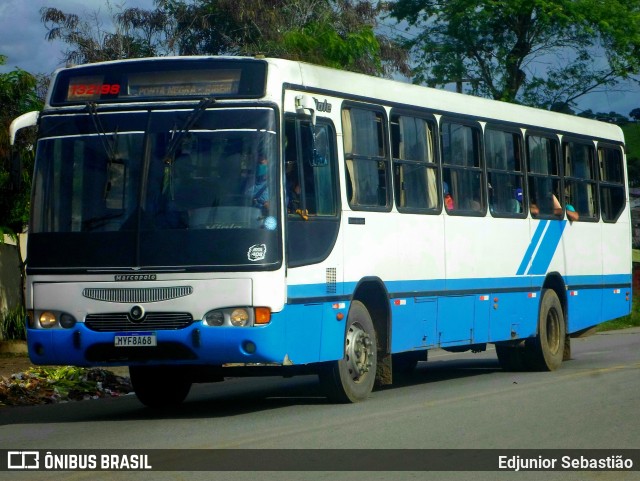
[479, 285]
[547, 248]
[532, 247]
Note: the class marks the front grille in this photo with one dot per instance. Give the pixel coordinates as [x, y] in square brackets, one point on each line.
[137, 295]
[157, 321]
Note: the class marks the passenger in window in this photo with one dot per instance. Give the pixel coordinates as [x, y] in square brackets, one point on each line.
[293, 189]
[515, 204]
[572, 214]
[448, 199]
[550, 205]
[259, 191]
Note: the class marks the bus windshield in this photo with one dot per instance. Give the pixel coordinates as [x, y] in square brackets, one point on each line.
[123, 179]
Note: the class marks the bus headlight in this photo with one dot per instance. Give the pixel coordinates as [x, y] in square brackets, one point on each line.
[48, 319]
[67, 320]
[239, 317]
[52, 319]
[214, 318]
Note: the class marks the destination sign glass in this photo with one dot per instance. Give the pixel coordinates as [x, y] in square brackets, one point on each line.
[160, 79]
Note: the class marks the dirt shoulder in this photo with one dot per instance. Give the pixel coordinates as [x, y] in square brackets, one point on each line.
[13, 364]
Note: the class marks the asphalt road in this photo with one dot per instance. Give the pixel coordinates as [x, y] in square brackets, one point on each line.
[453, 401]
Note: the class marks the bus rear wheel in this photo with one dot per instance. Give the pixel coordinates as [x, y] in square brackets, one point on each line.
[546, 350]
[512, 358]
[160, 386]
[351, 379]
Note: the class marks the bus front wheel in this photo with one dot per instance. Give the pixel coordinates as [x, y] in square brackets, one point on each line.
[351, 378]
[160, 386]
[546, 350]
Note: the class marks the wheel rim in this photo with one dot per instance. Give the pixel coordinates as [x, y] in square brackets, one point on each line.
[359, 352]
[553, 330]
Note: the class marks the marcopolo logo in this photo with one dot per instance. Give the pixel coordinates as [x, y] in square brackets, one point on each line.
[23, 460]
[135, 277]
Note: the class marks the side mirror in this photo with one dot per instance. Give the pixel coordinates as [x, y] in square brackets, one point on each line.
[305, 105]
[30, 119]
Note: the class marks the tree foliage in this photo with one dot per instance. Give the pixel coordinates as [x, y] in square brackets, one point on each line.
[538, 52]
[20, 92]
[338, 33]
[131, 33]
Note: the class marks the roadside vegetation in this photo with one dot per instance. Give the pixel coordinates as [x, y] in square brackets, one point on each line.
[47, 385]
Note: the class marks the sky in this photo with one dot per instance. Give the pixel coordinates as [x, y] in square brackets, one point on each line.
[22, 40]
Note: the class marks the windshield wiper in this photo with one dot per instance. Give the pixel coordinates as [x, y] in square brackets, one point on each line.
[109, 144]
[176, 140]
[179, 134]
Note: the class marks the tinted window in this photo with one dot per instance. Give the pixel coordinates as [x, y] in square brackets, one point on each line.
[367, 165]
[462, 173]
[504, 171]
[544, 177]
[414, 165]
[580, 179]
[612, 193]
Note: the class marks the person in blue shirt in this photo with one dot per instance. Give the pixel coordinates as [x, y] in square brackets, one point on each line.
[259, 190]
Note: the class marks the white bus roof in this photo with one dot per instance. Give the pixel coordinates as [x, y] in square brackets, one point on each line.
[340, 83]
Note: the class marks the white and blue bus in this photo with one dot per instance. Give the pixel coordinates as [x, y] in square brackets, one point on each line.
[201, 217]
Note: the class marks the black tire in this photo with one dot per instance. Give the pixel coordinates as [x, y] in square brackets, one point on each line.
[406, 362]
[512, 358]
[546, 350]
[160, 386]
[351, 379]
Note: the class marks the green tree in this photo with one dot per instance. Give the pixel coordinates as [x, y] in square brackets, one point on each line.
[20, 92]
[131, 33]
[337, 33]
[538, 52]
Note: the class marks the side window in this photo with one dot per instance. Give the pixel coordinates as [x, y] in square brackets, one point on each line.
[310, 175]
[367, 163]
[414, 164]
[461, 168]
[503, 154]
[612, 193]
[311, 194]
[580, 179]
[544, 177]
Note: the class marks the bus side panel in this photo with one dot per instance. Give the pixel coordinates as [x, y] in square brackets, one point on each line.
[303, 325]
[513, 315]
[584, 306]
[616, 266]
[455, 320]
[616, 302]
[414, 323]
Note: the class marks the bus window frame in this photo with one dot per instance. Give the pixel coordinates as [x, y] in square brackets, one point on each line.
[476, 126]
[568, 180]
[601, 182]
[386, 158]
[557, 139]
[435, 163]
[523, 170]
